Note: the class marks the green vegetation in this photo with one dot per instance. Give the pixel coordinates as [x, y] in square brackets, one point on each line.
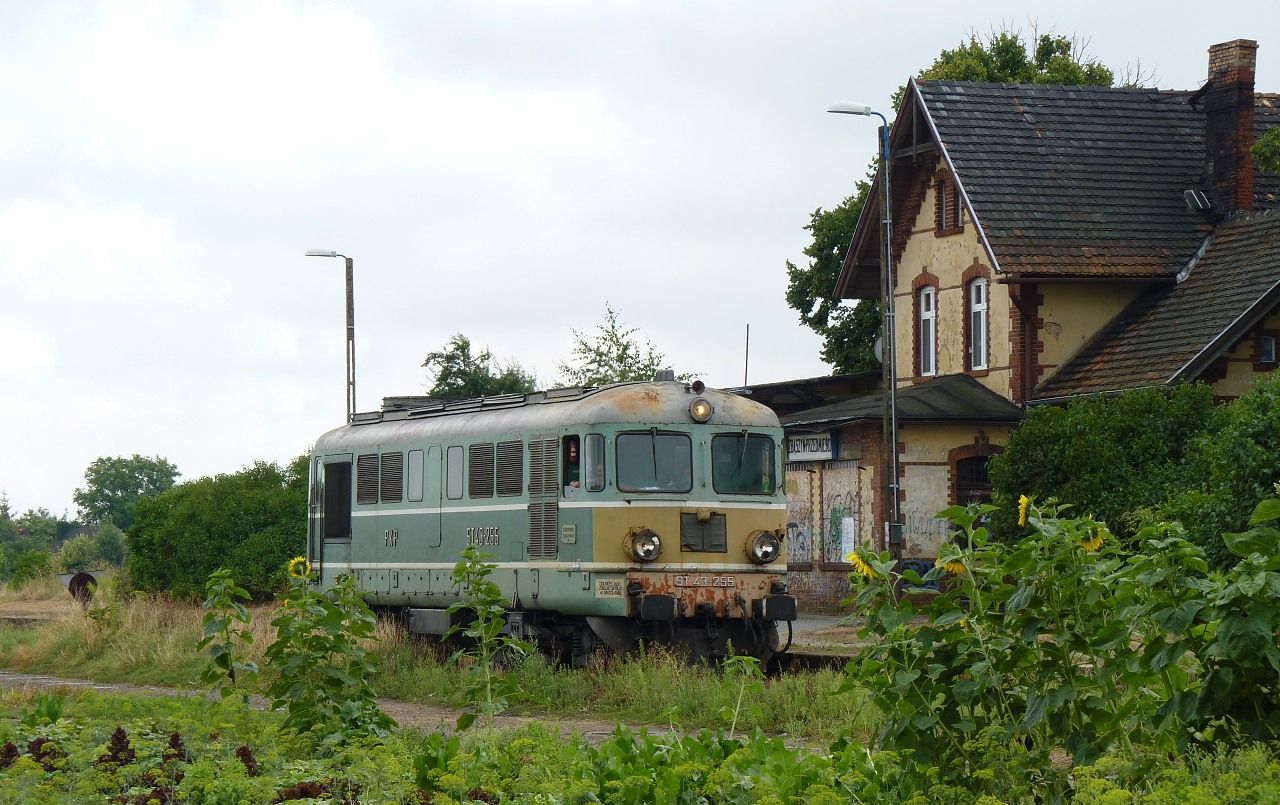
[483, 610]
[1108, 456]
[1147, 456]
[1066, 644]
[612, 355]
[113, 487]
[458, 373]
[250, 522]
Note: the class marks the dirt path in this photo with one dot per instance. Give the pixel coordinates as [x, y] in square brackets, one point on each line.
[425, 717]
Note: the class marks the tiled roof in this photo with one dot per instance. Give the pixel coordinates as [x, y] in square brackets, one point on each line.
[1076, 180]
[1173, 334]
[950, 398]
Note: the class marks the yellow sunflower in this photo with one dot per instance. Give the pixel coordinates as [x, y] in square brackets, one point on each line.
[860, 565]
[299, 568]
[955, 567]
[1094, 542]
[1024, 503]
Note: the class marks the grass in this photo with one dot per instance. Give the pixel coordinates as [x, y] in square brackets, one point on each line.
[151, 640]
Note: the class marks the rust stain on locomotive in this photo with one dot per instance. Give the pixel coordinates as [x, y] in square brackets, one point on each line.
[730, 593]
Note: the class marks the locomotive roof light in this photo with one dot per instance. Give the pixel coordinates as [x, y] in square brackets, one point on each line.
[764, 547]
[700, 409]
[643, 544]
[697, 387]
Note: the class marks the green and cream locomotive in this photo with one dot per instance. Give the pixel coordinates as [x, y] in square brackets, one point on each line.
[636, 512]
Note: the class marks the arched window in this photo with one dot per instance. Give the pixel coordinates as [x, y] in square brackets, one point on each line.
[927, 349]
[979, 319]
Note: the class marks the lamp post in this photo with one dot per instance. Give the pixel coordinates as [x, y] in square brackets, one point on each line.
[893, 534]
[351, 328]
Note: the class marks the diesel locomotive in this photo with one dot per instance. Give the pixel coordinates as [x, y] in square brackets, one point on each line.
[649, 511]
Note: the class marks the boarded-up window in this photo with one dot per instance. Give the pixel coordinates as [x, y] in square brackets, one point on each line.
[415, 475]
[453, 484]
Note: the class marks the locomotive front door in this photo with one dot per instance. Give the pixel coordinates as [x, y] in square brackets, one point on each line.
[333, 498]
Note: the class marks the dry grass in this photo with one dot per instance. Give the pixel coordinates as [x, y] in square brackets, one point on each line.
[45, 588]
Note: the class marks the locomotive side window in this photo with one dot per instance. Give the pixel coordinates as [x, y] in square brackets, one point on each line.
[572, 464]
[593, 462]
[337, 500]
[453, 485]
[415, 476]
[392, 486]
[367, 479]
[480, 482]
[651, 461]
[742, 464]
[510, 468]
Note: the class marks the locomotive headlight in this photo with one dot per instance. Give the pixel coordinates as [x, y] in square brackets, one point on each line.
[764, 547]
[700, 410]
[644, 545]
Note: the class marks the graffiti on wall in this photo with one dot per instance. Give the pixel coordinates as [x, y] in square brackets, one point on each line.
[840, 503]
[799, 517]
[922, 532]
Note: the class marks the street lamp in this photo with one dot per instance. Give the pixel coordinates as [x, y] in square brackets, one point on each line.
[893, 535]
[351, 328]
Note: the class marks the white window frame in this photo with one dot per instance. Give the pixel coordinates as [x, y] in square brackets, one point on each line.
[979, 323]
[928, 330]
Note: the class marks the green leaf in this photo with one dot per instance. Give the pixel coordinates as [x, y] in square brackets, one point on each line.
[1268, 509]
[1260, 539]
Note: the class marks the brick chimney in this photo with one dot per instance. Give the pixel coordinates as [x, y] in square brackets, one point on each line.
[1228, 107]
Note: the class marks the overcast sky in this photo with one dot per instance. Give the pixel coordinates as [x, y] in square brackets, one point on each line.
[500, 170]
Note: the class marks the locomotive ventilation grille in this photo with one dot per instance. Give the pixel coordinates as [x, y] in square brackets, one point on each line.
[699, 536]
[367, 479]
[392, 477]
[544, 511]
[481, 464]
[510, 468]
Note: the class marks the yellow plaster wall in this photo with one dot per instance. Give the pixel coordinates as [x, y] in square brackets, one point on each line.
[1073, 313]
[947, 258]
[926, 480]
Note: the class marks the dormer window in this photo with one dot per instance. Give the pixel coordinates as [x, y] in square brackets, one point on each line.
[1264, 352]
[948, 214]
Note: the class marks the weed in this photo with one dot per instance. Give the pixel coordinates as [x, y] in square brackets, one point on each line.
[483, 604]
[224, 608]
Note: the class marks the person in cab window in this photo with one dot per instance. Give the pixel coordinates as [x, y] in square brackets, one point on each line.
[572, 466]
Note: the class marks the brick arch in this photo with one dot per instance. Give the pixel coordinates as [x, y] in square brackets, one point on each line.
[981, 448]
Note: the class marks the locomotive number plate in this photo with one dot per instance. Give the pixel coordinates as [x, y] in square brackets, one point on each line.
[705, 581]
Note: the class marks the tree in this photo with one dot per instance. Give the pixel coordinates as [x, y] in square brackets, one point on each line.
[1266, 151]
[113, 487]
[250, 522]
[849, 333]
[614, 355]
[458, 373]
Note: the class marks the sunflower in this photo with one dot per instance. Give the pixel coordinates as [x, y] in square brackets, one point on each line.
[955, 567]
[860, 565]
[1024, 503]
[1094, 542]
[299, 568]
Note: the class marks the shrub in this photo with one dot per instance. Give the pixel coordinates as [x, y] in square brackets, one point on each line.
[1230, 468]
[250, 522]
[1106, 456]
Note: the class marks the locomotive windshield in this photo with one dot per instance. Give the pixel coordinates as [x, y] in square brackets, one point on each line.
[742, 464]
[651, 461]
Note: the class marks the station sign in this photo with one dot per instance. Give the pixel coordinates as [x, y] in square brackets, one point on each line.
[812, 447]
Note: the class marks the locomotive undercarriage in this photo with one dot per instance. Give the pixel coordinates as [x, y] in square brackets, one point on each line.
[572, 640]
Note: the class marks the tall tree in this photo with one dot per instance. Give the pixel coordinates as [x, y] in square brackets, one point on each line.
[113, 487]
[849, 333]
[612, 355]
[458, 373]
